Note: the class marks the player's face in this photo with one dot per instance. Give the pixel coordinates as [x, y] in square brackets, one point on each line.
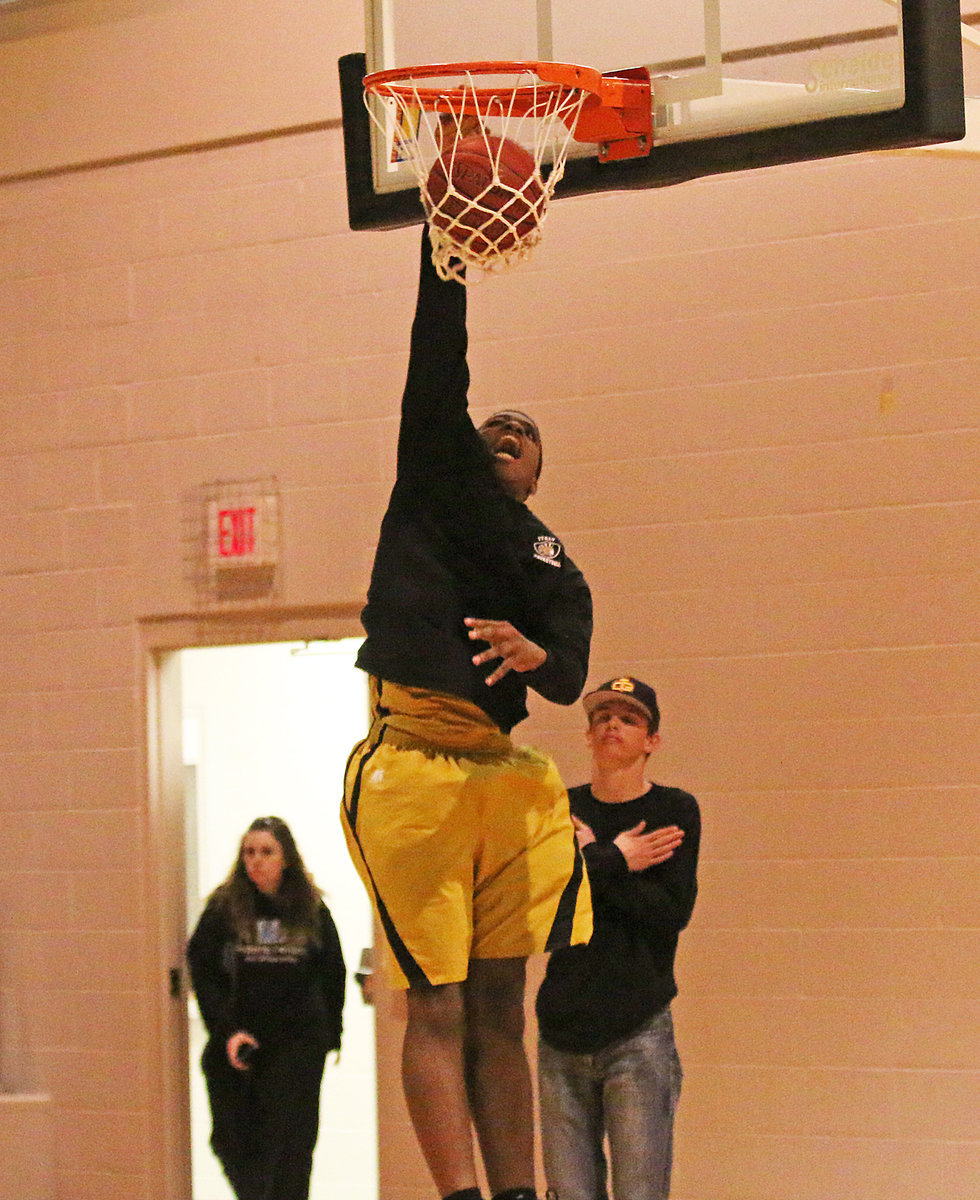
[515, 443]
[264, 861]
[618, 733]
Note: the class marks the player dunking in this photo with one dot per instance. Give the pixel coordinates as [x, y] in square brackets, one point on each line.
[464, 841]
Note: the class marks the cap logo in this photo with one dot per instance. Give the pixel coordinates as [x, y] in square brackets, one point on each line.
[622, 685]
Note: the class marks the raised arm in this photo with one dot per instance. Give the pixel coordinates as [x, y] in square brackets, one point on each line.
[434, 402]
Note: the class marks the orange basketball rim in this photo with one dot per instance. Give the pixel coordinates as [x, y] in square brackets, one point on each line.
[615, 110]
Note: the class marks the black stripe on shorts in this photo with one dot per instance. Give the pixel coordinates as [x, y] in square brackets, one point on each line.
[560, 933]
[413, 972]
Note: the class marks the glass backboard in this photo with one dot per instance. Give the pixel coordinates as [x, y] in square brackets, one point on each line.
[735, 83]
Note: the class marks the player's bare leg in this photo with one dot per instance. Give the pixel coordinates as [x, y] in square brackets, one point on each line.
[435, 1087]
[497, 1072]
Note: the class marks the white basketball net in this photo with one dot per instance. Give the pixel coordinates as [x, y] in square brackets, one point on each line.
[415, 133]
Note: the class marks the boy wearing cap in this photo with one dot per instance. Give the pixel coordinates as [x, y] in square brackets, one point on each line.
[607, 1062]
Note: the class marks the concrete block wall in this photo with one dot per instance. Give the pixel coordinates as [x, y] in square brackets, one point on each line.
[759, 401]
[26, 1138]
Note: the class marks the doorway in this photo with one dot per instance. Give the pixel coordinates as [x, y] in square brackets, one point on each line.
[266, 731]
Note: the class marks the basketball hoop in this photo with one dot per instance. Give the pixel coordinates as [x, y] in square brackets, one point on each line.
[426, 112]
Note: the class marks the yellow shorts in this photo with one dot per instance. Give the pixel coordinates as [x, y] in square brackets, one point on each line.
[463, 842]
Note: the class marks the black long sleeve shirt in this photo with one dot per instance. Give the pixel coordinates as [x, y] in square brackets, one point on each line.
[595, 994]
[454, 545]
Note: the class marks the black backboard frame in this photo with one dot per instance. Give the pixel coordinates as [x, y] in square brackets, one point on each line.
[933, 112]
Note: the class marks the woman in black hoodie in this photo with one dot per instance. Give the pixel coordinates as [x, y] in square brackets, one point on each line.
[269, 975]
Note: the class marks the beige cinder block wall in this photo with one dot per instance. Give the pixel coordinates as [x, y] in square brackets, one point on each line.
[759, 398]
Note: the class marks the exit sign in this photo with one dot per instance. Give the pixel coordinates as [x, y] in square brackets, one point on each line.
[236, 533]
[243, 531]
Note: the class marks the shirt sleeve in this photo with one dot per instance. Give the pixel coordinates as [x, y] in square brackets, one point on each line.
[333, 978]
[564, 632]
[435, 424]
[207, 960]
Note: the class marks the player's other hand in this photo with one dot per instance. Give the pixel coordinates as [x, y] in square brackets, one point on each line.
[642, 850]
[516, 652]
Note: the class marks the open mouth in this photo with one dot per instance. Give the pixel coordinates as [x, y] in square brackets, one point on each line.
[508, 448]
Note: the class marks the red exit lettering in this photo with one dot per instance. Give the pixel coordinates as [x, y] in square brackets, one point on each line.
[236, 532]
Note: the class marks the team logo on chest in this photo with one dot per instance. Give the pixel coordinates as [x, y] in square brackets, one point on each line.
[547, 549]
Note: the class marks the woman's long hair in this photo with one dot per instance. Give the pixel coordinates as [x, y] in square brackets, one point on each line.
[297, 899]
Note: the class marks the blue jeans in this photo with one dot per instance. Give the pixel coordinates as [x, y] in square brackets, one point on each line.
[628, 1093]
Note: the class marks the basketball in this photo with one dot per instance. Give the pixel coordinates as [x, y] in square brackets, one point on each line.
[485, 193]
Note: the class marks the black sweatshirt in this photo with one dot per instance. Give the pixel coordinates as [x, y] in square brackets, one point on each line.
[454, 545]
[277, 985]
[595, 994]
